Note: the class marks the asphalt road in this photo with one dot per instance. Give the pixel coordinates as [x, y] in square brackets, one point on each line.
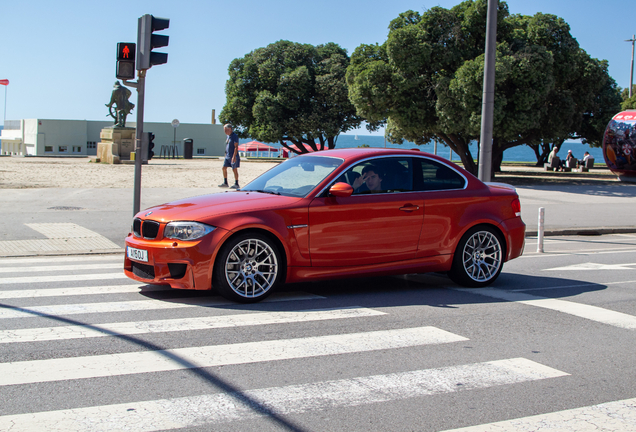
[556, 332]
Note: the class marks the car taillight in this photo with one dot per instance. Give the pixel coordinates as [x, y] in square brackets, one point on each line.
[516, 206]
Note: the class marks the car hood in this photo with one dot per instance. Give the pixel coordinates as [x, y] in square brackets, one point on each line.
[201, 208]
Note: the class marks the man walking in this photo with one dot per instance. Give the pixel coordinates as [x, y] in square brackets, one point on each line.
[232, 158]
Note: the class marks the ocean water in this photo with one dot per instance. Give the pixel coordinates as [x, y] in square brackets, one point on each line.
[516, 154]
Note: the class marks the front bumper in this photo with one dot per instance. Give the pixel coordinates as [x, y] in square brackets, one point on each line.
[180, 264]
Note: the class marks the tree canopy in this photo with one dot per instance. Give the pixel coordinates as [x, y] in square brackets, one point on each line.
[628, 103]
[426, 81]
[292, 92]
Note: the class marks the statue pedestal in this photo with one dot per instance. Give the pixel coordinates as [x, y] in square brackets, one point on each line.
[116, 144]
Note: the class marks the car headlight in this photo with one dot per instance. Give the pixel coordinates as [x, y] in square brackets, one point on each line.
[186, 230]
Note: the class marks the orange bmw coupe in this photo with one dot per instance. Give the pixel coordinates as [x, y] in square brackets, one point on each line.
[332, 214]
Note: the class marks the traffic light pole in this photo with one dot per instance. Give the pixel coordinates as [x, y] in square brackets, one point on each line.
[141, 88]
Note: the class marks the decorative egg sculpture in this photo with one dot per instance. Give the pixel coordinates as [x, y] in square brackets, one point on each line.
[619, 145]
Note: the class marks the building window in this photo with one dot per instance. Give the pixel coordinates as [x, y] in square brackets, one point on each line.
[200, 151]
[77, 149]
[48, 149]
[62, 149]
[91, 144]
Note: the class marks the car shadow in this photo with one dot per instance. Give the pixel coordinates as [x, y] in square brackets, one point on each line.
[430, 289]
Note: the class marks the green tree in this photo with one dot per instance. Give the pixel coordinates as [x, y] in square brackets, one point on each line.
[426, 81]
[627, 102]
[292, 92]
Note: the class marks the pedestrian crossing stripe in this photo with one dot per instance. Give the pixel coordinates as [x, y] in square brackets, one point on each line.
[77, 291]
[207, 410]
[61, 259]
[594, 313]
[595, 267]
[606, 417]
[7, 312]
[62, 278]
[182, 324]
[67, 267]
[36, 371]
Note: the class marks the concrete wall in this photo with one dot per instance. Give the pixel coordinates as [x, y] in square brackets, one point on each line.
[43, 137]
[57, 137]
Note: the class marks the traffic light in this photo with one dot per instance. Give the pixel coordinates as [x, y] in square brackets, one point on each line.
[125, 60]
[151, 145]
[147, 41]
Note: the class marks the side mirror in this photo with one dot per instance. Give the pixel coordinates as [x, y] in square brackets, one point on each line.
[341, 189]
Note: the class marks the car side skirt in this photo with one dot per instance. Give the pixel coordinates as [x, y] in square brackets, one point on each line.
[440, 263]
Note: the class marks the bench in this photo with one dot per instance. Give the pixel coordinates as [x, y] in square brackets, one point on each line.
[556, 162]
[589, 163]
[570, 164]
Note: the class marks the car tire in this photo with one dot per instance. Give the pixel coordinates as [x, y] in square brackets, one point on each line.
[479, 257]
[248, 268]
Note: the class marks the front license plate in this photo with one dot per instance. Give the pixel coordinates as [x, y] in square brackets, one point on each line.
[137, 254]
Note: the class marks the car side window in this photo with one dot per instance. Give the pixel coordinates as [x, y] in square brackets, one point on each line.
[381, 175]
[437, 176]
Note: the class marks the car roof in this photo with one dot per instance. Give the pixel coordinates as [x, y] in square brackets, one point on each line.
[350, 154]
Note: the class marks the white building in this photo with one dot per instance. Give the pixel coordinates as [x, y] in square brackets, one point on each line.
[41, 137]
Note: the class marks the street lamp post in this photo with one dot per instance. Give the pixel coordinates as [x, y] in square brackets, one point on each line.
[631, 74]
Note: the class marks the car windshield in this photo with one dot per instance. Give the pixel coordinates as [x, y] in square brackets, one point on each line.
[295, 177]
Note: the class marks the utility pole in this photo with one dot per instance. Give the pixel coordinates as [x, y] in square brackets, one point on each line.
[631, 74]
[488, 99]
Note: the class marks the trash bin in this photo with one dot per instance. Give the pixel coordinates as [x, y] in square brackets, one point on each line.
[187, 148]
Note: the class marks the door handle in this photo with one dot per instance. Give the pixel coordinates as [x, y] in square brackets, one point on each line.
[409, 208]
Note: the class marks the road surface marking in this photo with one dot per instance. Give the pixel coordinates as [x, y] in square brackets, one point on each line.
[594, 313]
[219, 408]
[62, 278]
[65, 237]
[134, 305]
[182, 324]
[71, 291]
[36, 371]
[68, 267]
[595, 266]
[586, 284]
[63, 230]
[62, 259]
[606, 417]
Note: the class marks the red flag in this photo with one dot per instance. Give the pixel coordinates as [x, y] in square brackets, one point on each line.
[4, 82]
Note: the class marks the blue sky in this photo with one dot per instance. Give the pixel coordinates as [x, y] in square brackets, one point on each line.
[60, 55]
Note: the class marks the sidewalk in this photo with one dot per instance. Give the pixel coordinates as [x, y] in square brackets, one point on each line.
[49, 219]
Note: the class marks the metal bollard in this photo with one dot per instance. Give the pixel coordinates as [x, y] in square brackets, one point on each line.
[540, 230]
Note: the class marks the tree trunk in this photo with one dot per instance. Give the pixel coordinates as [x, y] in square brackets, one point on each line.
[460, 147]
[541, 152]
[497, 158]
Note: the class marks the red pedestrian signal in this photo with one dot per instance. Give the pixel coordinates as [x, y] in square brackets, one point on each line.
[126, 51]
[126, 60]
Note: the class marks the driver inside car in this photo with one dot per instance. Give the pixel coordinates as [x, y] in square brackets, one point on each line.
[370, 181]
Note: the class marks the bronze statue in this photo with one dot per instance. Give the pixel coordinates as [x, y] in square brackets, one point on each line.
[119, 97]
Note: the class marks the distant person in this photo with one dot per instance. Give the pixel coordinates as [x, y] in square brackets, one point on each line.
[232, 158]
[553, 154]
[569, 159]
[586, 156]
